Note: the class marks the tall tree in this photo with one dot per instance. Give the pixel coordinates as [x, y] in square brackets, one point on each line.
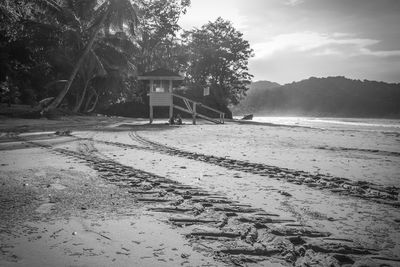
[117, 15]
[93, 68]
[158, 27]
[218, 59]
[16, 59]
[115, 53]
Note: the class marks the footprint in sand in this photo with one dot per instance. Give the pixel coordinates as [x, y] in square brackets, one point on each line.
[45, 208]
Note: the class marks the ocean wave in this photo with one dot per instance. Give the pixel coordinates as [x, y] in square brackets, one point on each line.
[335, 123]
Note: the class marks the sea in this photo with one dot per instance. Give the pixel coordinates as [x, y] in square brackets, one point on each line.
[355, 124]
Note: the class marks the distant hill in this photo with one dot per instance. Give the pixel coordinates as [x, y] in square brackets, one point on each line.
[255, 99]
[260, 86]
[331, 96]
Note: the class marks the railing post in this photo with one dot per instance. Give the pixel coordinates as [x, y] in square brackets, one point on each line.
[194, 112]
[171, 111]
[171, 107]
[151, 114]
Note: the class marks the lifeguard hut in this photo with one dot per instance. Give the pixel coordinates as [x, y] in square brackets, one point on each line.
[161, 94]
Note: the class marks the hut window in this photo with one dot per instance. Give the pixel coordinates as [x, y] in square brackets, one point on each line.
[160, 86]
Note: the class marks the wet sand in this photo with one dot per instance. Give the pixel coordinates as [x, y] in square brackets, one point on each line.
[200, 195]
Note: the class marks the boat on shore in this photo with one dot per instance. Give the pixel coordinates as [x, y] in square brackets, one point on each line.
[248, 117]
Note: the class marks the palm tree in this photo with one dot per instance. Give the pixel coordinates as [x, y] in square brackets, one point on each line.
[92, 98]
[93, 67]
[111, 63]
[117, 15]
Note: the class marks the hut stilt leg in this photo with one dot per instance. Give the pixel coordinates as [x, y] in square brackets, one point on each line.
[151, 114]
[194, 113]
[171, 111]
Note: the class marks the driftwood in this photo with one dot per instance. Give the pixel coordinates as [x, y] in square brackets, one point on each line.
[337, 248]
[386, 258]
[153, 199]
[192, 220]
[145, 192]
[212, 200]
[171, 209]
[215, 234]
[235, 209]
[298, 232]
[251, 251]
[261, 220]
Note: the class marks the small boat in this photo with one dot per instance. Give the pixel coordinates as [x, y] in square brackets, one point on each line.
[248, 117]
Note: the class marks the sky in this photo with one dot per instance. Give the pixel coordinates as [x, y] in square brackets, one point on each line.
[297, 39]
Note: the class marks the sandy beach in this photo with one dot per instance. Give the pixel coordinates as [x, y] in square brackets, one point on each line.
[97, 191]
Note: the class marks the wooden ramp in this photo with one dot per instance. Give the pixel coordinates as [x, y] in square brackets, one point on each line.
[192, 108]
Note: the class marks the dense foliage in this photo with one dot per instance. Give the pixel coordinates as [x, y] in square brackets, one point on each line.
[218, 57]
[332, 96]
[87, 54]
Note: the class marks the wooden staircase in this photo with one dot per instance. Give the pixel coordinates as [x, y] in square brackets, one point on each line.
[192, 109]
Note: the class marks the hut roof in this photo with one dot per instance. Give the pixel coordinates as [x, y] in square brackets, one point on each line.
[160, 74]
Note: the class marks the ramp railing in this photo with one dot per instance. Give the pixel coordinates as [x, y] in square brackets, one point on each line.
[192, 108]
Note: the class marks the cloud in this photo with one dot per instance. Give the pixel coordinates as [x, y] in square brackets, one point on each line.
[203, 11]
[296, 39]
[368, 52]
[318, 44]
[294, 2]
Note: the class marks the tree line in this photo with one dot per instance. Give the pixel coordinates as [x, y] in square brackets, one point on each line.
[84, 55]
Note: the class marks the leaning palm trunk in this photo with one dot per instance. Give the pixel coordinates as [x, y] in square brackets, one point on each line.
[88, 101]
[96, 100]
[57, 101]
[82, 97]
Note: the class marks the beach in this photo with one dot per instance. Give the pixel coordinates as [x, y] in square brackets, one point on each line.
[101, 191]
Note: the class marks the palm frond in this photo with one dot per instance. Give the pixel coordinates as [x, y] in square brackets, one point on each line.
[52, 83]
[60, 60]
[49, 5]
[123, 13]
[101, 71]
[39, 34]
[131, 70]
[83, 9]
[98, 14]
[73, 39]
[7, 13]
[121, 42]
[58, 11]
[111, 57]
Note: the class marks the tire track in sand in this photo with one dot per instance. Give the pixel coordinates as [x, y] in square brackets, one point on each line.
[233, 233]
[388, 195]
[361, 189]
